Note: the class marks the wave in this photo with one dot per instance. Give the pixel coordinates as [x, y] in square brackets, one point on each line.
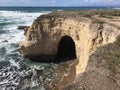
[20, 15]
[117, 8]
[5, 23]
[9, 21]
[57, 10]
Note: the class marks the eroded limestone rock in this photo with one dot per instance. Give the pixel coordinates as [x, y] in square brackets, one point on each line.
[44, 35]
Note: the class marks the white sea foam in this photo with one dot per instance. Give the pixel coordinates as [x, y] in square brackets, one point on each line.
[117, 8]
[13, 63]
[15, 19]
[20, 16]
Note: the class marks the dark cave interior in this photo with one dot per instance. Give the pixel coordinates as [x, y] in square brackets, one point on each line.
[66, 49]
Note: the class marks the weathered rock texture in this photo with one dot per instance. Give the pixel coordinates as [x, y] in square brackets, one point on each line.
[102, 71]
[44, 35]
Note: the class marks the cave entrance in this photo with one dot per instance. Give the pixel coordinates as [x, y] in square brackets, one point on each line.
[66, 49]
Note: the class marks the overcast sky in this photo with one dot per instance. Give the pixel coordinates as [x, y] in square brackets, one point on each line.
[58, 2]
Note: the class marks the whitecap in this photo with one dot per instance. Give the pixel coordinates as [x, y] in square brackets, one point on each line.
[117, 8]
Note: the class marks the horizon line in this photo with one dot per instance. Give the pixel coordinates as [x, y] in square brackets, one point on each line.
[64, 6]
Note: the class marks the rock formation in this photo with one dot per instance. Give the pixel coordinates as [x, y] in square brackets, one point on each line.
[84, 33]
[23, 27]
[102, 71]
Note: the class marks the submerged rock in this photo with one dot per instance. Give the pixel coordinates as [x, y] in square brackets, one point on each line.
[23, 27]
[5, 41]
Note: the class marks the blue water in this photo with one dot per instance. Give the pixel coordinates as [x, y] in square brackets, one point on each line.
[39, 9]
[15, 72]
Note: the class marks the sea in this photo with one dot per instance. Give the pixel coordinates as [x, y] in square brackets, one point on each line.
[16, 72]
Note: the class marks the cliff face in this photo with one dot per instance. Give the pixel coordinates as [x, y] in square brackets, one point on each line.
[44, 35]
[102, 71]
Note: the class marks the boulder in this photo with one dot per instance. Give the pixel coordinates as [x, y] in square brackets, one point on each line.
[23, 27]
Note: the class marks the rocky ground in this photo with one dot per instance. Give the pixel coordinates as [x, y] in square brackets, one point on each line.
[102, 72]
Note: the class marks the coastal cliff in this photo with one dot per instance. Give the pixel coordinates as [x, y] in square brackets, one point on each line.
[102, 71]
[87, 32]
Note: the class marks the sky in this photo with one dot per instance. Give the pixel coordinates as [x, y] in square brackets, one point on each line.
[59, 2]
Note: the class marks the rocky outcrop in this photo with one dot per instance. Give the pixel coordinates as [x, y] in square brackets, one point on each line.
[102, 71]
[44, 35]
[23, 27]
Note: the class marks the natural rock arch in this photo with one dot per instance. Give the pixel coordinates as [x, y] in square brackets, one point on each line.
[44, 35]
[66, 49]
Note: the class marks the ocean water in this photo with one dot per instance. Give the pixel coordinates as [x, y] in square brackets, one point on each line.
[16, 73]
[12, 67]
